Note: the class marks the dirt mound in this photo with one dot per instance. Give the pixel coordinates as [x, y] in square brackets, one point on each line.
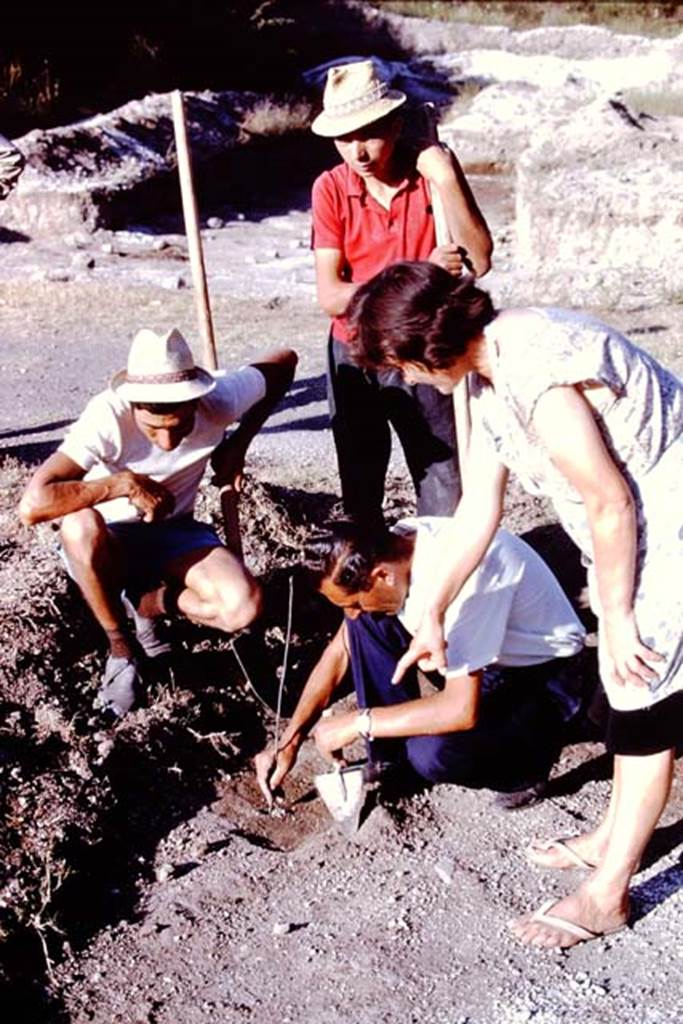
[84, 806]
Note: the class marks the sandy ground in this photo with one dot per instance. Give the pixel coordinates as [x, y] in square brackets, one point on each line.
[239, 916]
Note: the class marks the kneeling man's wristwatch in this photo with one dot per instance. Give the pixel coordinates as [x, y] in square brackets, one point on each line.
[364, 723]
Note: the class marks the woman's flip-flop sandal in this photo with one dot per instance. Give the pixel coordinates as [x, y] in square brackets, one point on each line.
[561, 924]
[562, 845]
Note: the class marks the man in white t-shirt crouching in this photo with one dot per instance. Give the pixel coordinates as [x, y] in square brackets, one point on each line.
[497, 718]
[124, 481]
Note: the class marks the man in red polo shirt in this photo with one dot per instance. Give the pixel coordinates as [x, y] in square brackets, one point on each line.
[372, 210]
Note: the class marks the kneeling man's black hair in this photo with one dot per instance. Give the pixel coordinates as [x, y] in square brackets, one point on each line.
[346, 553]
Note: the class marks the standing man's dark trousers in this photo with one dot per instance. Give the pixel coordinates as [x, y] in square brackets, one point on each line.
[362, 406]
[514, 744]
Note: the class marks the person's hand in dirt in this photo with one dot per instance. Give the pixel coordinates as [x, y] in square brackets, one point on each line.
[272, 767]
[152, 500]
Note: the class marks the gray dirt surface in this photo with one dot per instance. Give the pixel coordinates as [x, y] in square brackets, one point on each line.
[245, 917]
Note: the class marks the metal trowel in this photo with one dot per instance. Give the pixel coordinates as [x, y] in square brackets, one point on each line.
[344, 792]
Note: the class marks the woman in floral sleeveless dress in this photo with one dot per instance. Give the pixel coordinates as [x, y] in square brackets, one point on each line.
[585, 417]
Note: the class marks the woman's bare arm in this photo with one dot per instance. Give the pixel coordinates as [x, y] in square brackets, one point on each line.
[566, 425]
[474, 524]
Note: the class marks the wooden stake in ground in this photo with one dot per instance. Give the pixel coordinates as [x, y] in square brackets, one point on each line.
[461, 394]
[229, 496]
[194, 239]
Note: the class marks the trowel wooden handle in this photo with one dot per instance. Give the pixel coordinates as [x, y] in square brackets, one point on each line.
[230, 507]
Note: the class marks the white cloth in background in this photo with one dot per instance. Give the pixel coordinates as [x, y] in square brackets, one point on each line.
[105, 440]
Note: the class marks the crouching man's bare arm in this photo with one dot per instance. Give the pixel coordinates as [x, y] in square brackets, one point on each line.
[273, 765]
[57, 488]
[227, 461]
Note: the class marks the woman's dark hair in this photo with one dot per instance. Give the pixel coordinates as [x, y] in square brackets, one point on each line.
[346, 553]
[416, 312]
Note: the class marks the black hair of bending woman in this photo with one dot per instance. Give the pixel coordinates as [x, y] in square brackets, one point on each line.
[416, 312]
